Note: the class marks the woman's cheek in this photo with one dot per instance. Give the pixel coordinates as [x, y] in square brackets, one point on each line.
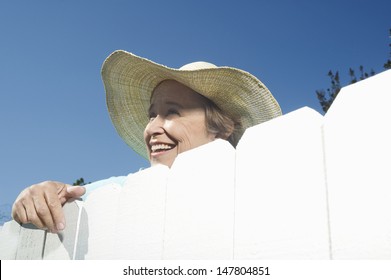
[173, 129]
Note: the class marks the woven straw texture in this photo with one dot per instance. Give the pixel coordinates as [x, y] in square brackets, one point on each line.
[129, 81]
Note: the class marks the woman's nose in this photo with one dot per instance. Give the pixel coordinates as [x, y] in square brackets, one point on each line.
[155, 126]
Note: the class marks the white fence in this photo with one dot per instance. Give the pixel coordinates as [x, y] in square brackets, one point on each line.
[301, 186]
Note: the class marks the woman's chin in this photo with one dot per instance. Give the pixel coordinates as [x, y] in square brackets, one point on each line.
[163, 158]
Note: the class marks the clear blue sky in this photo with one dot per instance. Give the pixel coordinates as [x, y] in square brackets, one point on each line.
[53, 118]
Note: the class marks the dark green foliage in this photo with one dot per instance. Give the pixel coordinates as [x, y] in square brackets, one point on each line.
[327, 97]
[80, 182]
[387, 65]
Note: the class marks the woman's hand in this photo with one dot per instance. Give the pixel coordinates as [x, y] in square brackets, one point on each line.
[41, 204]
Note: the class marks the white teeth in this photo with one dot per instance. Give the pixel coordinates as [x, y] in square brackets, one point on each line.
[160, 147]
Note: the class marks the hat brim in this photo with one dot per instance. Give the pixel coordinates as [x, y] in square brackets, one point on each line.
[129, 81]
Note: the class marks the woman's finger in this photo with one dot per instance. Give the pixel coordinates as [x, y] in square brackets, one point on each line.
[53, 202]
[31, 213]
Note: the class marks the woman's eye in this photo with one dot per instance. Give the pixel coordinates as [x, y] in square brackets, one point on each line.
[152, 117]
[172, 112]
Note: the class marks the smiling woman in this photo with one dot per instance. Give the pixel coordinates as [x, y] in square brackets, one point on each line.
[131, 81]
[160, 112]
[177, 122]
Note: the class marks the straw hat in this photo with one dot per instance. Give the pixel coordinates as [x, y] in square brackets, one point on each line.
[129, 81]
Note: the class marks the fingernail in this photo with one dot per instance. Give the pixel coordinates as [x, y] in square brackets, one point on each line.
[60, 226]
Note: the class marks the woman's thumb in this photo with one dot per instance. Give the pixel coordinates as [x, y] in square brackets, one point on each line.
[75, 191]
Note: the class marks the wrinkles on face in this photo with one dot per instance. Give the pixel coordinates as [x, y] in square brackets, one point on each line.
[177, 122]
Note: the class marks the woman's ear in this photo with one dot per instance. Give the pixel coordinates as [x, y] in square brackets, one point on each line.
[213, 136]
[225, 134]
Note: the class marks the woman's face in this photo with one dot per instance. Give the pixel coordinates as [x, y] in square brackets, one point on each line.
[177, 122]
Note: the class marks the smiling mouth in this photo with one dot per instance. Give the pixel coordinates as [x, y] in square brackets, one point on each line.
[157, 148]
